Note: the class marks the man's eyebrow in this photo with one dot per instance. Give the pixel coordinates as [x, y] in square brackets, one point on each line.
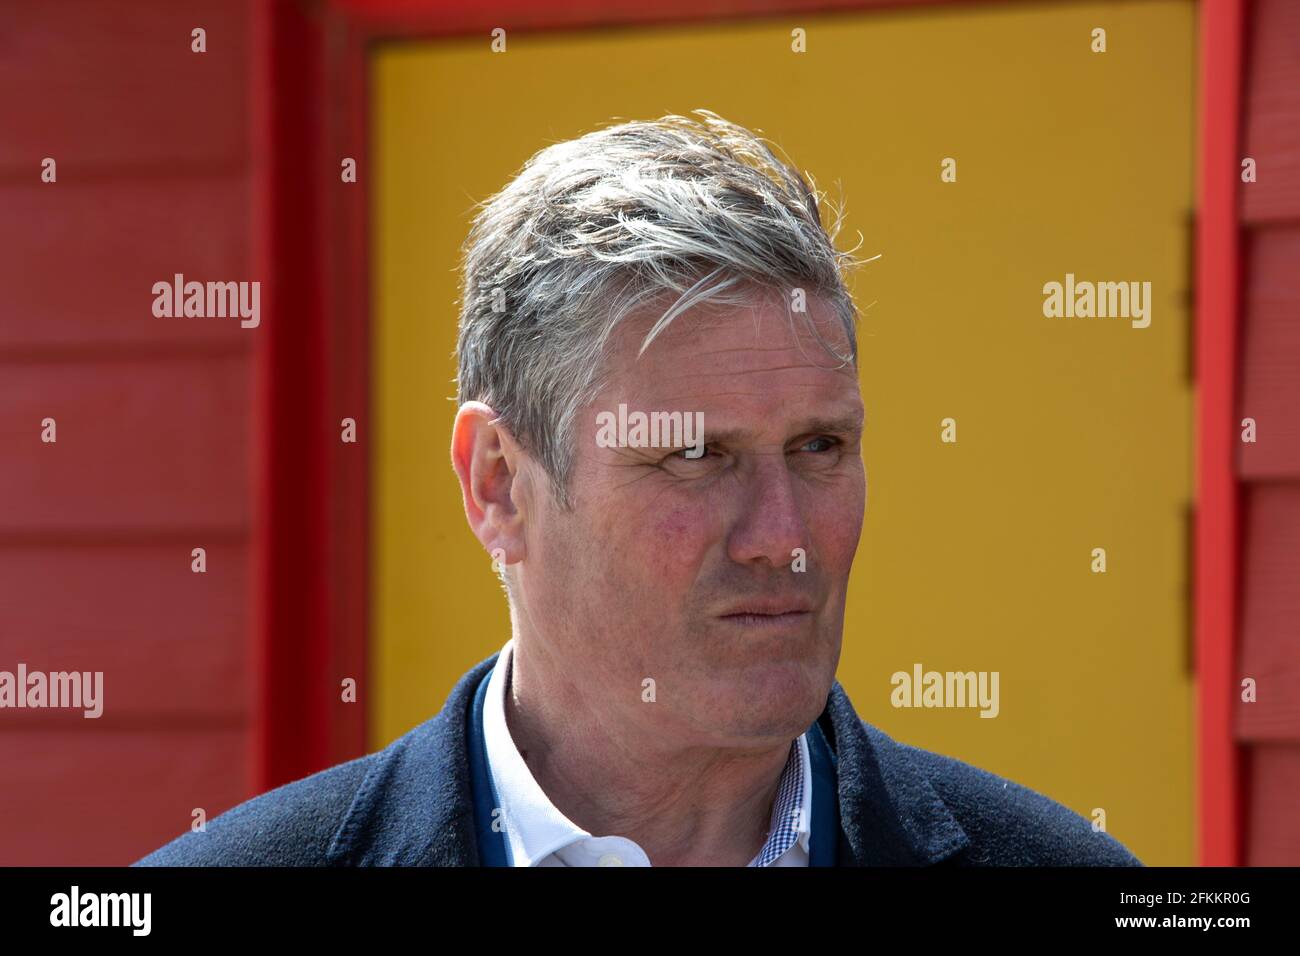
[840, 425]
[847, 425]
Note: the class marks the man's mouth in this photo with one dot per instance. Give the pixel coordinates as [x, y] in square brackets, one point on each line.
[768, 613]
[767, 620]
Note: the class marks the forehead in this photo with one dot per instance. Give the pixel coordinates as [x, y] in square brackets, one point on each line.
[756, 357]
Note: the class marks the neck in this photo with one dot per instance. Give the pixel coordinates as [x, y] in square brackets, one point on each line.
[683, 802]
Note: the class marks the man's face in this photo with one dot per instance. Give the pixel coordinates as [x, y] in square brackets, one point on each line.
[651, 573]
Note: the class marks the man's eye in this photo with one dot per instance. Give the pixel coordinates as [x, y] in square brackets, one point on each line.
[692, 453]
[818, 445]
[826, 442]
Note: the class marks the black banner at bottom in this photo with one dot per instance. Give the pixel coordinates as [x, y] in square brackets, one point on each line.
[335, 906]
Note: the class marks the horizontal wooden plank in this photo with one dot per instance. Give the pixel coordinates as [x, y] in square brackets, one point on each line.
[1270, 388]
[106, 798]
[1273, 831]
[422, 18]
[1272, 112]
[113, 83]
[143, 446]
[79, 261]
[168, 641]
[1270, 641]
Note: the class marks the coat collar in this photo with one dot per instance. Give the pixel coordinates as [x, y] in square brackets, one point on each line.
[415, 807]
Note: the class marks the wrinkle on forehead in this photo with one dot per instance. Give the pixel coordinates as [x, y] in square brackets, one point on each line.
[721, 337]
[817, 324]
[709, 358]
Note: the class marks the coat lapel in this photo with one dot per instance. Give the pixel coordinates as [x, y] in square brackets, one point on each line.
[889, 813]
[415, 806]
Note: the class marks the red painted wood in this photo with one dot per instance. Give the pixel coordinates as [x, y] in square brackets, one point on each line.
[1271, 394]
[171, 643]
[1270, 388]
[312, 372]
[447, 17]
[143, 447]
[81, 277]
[1270, 637]
[99, 797]
[1272, 120]
[1274, 838]
[349, 264]
[107, 86]
[95, 532]
[295, 688]
[1218, 775]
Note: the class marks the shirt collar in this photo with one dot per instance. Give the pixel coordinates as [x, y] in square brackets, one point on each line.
[534, 828]
[792, 808]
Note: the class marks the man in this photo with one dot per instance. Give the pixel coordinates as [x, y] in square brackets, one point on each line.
[668, 694]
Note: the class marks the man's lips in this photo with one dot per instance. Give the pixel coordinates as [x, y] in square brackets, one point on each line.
[769, 607]
[768, 612]
[767, 622]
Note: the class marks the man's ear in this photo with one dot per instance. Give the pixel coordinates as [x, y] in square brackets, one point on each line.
[488, 462]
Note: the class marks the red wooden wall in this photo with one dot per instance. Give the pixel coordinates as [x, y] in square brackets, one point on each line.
[1269, 470]
[154, 449]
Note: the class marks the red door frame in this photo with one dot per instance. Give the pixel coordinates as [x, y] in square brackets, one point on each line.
[1217, 546]
[311, 248]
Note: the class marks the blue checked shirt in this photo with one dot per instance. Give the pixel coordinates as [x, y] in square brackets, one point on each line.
[538, 834]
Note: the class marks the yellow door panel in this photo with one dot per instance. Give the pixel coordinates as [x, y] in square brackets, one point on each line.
[1073, 434]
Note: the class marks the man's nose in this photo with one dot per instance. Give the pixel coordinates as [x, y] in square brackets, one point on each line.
[769, 522]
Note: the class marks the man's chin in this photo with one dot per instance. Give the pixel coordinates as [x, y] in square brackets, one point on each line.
[771, 700]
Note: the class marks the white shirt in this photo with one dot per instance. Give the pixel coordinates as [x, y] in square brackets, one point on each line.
[538, 834]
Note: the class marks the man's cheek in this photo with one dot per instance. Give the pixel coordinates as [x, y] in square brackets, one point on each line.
[839, 533]
[683, 529]
[850, 511]
[671, 542]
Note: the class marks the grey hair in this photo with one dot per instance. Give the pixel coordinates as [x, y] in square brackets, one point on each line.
[595, 227]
